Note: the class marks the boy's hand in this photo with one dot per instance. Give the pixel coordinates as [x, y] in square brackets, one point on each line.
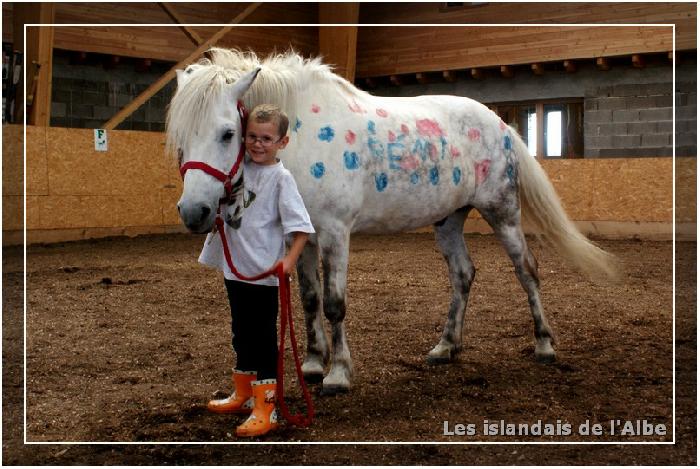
[287, 265]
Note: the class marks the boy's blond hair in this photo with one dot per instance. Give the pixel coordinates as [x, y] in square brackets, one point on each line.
[271, 113]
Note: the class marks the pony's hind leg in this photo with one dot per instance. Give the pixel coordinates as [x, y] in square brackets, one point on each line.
[506, 225]
[450, 238]
[310, 289]
[335, 251]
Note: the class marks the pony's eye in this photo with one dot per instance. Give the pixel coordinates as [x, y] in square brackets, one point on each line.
[228, 135]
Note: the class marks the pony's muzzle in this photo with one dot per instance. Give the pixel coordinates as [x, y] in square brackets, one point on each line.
[197, 217]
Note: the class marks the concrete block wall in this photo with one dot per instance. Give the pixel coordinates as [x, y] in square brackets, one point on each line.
[633, 120]
[88, 95]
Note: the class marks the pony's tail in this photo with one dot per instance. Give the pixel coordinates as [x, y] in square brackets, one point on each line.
[541, 206]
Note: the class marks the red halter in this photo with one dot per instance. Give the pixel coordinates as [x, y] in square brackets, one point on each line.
[223, 177]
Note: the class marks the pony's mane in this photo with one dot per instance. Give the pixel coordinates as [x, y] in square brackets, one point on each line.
[281, 78]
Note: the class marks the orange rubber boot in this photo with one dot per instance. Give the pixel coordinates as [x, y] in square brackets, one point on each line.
[241, 401]
[264, 415]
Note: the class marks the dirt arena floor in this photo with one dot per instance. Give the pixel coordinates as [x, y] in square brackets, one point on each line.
[128, 338]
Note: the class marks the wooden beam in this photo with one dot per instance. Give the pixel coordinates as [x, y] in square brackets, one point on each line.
[175, 16]
[537, 68]
[539, 116]
[38, 54]
[370, 83]
[396, 80]
[423, 78]
[125, 112]
[477, 73]
[450, 76]
[507, 71]
[570, 66]
[338, 44]
[602, 63]
[670, 56]
[638, 61]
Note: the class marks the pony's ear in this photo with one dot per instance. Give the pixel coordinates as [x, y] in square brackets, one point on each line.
[238, 89]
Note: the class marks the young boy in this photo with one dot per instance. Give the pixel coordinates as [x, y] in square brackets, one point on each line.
[274, 209]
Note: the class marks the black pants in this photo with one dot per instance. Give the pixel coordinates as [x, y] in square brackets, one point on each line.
[254, 327]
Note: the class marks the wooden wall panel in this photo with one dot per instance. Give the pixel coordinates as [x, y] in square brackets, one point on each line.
[409, 49]
[602, 191]
[134, 164]
[683, 15]
[686, 190]
[37, 164]
[12, 163]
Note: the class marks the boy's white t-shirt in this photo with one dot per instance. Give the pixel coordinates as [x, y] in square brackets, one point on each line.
[276, 210]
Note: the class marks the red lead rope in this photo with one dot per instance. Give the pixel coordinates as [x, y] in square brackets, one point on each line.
[299, 420]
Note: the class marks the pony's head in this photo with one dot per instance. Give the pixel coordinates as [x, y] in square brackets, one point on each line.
[205, 130]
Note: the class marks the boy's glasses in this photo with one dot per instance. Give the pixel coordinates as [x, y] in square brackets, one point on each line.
[264, 141]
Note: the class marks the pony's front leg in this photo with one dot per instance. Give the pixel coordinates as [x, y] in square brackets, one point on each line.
[450, 238]
[310, 289]
[335, 249]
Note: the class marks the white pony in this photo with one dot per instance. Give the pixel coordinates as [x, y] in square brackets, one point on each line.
[375, 165]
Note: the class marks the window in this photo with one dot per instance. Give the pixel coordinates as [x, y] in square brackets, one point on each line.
[551, 129]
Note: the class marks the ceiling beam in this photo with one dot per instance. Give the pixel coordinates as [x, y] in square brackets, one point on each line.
[450, 76]
[38, 53]
[175, 16]
[602, 63]
[537, 68]
[507, 71]
[338, 44]
[570, 66]
[125, 112]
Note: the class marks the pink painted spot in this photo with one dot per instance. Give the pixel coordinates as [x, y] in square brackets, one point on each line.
[392, 136]
[350, 137]
[474, 134]
[502, 125]
[428, 128]
[404, 129]
[454, 152]
[354, 107]
[382, 112]
[409, 162]
[315, 108]
[481, 170]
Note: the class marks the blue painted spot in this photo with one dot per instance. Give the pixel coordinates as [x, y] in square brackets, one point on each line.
[395, 151]
[371, 127]
[318, 170]
[511, 172]
[351, 160]
[381, 180]
[415, 178]
[326, 134]
[456, 175]
[434, 176]
[506, 142]
[443, 142]
[297, 126]
[376, 147]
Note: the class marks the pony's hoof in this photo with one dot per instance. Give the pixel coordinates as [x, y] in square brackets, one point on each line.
[545, 354]
[441, 354]
[334, 389]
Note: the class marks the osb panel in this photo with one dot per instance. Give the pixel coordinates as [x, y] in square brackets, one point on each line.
[62, 212]
[573, 181]
[169, 198]
[686, 176]
[634, 189]
[134, 164]
[11, 212]
[37, 165]
[11, 160]
[34, 211]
